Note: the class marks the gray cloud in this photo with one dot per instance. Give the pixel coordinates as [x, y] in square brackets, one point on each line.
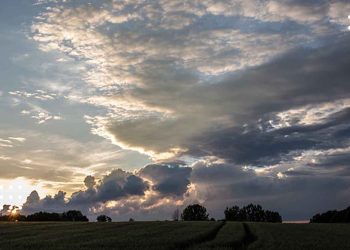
[221, 185]
[209, 118]
[168, 178]
[89, 182]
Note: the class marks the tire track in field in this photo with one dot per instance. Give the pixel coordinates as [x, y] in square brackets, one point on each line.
[248, 239]
[209, 237]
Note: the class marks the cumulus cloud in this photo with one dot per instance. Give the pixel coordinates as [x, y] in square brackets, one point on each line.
[89, 182]
[113, 186]
[156, 190]
[121, 192]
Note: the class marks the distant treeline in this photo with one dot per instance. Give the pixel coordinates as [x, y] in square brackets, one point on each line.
[72, 215]
[333, 216]
[195, 212]
[251, 212]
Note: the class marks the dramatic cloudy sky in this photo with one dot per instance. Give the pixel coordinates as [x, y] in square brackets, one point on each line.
[134, 108]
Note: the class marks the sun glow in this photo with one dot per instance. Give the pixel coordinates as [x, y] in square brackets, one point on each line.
[15, 191]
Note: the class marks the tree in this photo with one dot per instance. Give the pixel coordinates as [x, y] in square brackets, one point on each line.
[103, 218]
[232, 213]
[74, 215]
[195, 212]
[251, 212]
[176, 215]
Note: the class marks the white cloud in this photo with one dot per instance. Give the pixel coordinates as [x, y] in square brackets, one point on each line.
[40, 114]
[38, 94]
[19, 139]
[309, 114]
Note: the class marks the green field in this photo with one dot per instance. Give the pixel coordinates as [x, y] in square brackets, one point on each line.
[173, 235]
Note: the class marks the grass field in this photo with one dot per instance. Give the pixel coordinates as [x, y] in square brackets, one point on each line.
[173, 235]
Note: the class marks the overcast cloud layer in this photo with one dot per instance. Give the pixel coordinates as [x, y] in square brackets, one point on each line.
[147, 106]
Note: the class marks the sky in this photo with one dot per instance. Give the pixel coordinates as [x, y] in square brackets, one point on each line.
[135, 108]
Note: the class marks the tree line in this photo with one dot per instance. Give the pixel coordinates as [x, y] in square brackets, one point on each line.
[71, 215]
[195, 212]
[332, 216]
[250, 212]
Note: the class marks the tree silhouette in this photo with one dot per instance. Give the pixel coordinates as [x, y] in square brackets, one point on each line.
[74, 215]
[332, 216]
[195, 212]
[232, 213]
[251, 212]
[103, 218]
[44, 216]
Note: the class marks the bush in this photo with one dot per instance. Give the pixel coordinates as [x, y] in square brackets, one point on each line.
[103, 218]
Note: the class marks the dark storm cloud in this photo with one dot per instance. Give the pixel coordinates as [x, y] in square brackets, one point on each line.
[336, 160]
[169, 178]
[301, 78]
[261, 146]
[209, 116]
[255, 147]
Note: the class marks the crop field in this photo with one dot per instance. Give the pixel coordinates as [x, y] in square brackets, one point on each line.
[172, 235]
[300, 236]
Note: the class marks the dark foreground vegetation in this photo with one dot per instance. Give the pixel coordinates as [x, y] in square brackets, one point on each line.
[172, 235]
